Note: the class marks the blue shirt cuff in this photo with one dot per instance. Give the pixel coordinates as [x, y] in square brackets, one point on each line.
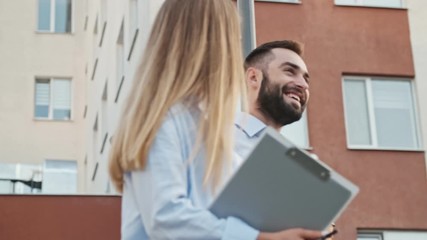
[238, 230]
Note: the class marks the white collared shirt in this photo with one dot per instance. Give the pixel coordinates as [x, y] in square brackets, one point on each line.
[248, 131]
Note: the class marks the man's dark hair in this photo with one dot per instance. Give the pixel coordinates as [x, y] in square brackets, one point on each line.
[262, 55]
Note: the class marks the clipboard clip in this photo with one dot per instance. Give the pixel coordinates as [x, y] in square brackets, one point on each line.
[309, 163]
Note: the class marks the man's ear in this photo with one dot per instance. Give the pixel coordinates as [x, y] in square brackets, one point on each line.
[253, 78]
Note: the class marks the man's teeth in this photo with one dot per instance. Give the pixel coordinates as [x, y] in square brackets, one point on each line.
[293, 96]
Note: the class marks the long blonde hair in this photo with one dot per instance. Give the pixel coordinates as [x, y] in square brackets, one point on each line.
[194, 50]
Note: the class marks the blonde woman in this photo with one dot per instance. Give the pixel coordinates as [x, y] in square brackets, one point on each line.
[173, 147]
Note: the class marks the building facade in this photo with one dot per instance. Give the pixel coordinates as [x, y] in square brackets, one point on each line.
[366, 114]
[41, 96]
[116, 33]
[66, 68]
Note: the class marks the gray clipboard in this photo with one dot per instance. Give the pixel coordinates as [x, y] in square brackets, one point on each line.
[280, 186]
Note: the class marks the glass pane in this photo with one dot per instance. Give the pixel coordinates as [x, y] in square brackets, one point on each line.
[394, 114]
[368, 238]
[356, 112]
[297, 132]
[60, 177]
[42, 111]
[11, 175]
[44, 15]
[405, 235]
[7, 170]
[5, 187]
[61, 99]
[346, 2]
[42, 93]
[63, 16]
[62, 165]
[32, 174]
[383, 3]
[42, 99]
[7, 173]
[372, 3]
[61, 114]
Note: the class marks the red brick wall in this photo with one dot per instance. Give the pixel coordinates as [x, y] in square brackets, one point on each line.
[365, 41]
[44, 217]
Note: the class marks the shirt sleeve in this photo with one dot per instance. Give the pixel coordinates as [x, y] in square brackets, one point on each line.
[161, 195]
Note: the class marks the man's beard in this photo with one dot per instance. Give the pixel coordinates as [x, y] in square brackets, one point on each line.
[273, 105]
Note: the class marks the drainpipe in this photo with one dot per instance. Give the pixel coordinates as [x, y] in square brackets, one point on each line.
[246, 10]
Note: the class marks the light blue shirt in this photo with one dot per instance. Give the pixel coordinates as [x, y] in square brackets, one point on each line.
[248, 131]
[167, 200]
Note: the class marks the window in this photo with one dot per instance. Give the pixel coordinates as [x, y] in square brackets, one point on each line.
[372, 3]
[297, 132]
[53, 99]
[380, 113]
[59, 176]
[370, 236]
[54, 16]
[392, 235]
[20, 178]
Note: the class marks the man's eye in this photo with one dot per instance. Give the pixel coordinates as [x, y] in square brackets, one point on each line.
[290, 70]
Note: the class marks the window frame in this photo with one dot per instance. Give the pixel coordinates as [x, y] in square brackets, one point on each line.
[50, 113]
[304, 121]
[371, 234]
[52, 18]
[403, 5]
[371, 114]
[63, 172]
[385, 234]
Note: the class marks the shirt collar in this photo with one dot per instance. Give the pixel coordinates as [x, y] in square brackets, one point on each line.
[249, 124]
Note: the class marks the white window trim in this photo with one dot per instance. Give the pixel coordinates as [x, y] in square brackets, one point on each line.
[392, 234]
[307, 145]
[50, 115]
[49, 170]
[52, 19]
[403, 5]
[371, 234]
[374, 145]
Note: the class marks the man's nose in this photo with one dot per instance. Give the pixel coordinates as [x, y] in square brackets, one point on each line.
[301, 82]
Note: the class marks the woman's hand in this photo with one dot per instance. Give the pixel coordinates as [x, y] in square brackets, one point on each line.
[291, 234]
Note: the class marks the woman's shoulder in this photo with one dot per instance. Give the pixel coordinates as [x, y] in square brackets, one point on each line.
[183, 114]
[183, 110]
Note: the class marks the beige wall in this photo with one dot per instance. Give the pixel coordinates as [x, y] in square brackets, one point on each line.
[26, 54]
[417, 11]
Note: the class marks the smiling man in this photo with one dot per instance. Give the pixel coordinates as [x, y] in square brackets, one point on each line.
[278, 91]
